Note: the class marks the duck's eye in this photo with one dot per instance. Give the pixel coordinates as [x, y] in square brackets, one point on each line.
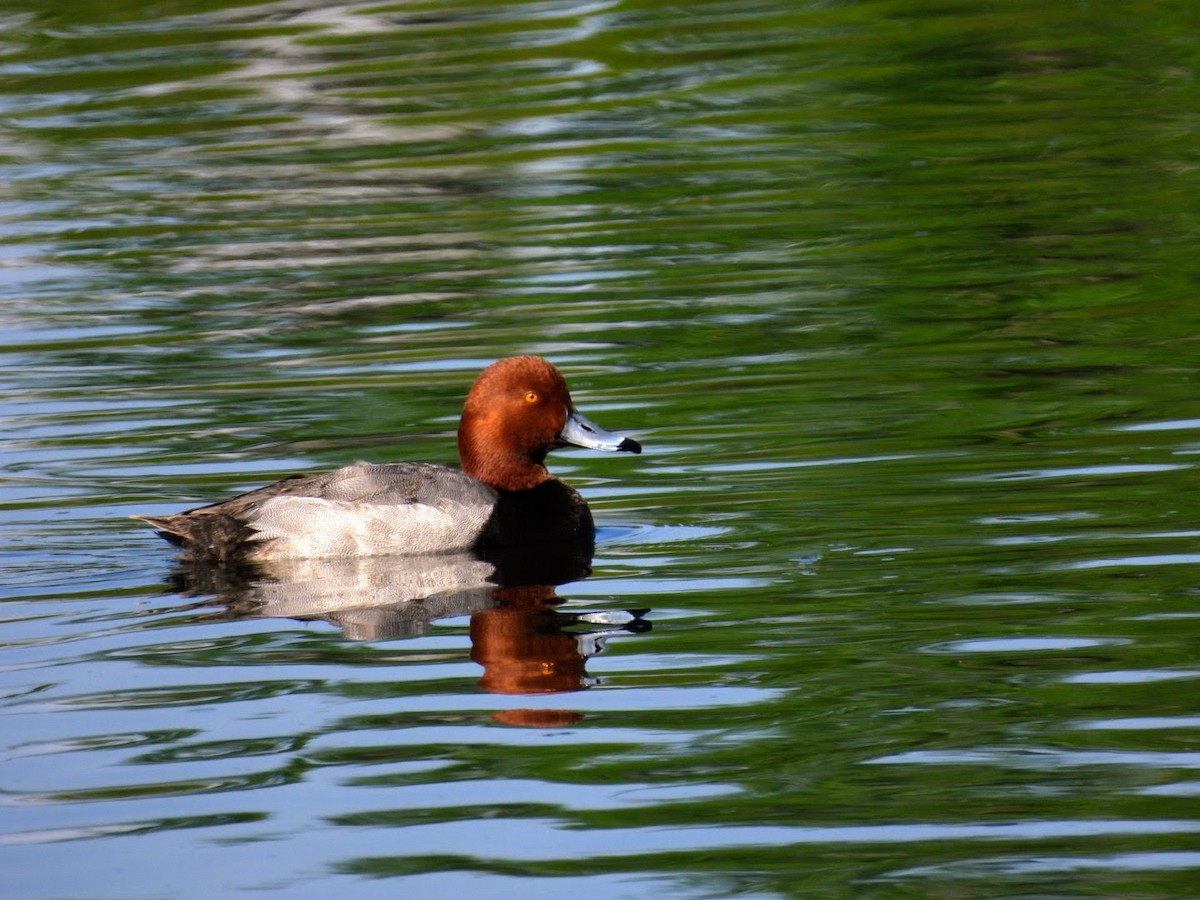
[531, 397]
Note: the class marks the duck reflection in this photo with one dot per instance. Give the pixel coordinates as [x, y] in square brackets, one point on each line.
[525, 644]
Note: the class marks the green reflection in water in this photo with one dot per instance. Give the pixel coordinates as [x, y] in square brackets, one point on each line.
[900, 297]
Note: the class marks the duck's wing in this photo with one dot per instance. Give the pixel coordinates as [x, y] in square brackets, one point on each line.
[363, 509]
[384, 483]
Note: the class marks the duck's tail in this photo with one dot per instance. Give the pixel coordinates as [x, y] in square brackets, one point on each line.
[168, 527]
[217, 538]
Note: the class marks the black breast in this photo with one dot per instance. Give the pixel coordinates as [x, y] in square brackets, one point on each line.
[549, 526]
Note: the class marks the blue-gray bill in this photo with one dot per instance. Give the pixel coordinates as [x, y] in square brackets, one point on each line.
[580, 431]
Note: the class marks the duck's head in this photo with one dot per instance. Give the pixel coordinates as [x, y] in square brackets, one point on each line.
[518, 410]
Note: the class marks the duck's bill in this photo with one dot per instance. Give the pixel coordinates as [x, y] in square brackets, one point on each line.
[580, 431]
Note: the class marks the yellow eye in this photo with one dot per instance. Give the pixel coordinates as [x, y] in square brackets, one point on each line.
[531, 397]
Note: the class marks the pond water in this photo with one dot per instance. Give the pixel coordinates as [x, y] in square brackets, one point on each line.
[902, 300]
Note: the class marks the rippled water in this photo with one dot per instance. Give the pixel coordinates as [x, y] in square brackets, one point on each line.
[902, 301]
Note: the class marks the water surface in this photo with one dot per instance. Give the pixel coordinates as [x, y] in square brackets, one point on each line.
[901, 300]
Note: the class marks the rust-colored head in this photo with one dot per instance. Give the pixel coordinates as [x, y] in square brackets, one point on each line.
[518, 410]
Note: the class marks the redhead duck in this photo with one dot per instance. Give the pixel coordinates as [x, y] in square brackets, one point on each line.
[517, 411]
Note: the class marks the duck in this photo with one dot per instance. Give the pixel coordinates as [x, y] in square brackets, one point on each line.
[517, 411]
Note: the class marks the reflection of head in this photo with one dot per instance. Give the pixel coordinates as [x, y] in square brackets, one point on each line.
[523, 651]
